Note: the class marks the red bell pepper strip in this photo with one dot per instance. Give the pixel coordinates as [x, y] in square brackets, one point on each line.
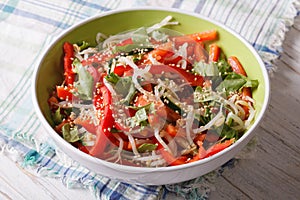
[236, 65]
[64, 93]
[120, 70]
[204, 36]
[171, 130]
[198, 37]
[169, 158]
[90, 127]
[102, 103]
[201, 152]
[219, 147]
[68, 60]
[193, 79]
[125, 42]
[216, 148]
[164, 53]
[214, 52]
[200, 53]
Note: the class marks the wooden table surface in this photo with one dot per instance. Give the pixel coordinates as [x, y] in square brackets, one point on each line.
[271, 172]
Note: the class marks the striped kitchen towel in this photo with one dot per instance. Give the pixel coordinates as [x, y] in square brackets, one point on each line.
[28, 26]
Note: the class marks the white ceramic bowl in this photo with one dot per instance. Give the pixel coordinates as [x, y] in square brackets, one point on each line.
[48, 74]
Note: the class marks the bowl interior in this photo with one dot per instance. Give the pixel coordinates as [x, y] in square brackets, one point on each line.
[50, 68]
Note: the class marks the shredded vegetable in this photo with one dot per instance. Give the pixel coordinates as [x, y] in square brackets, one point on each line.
[152, 97]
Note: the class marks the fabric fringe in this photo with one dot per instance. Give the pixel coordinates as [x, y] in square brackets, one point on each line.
[278, 39]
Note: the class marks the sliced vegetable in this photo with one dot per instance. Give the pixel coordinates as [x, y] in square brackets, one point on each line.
[102, 102]
[214, 52]
[219, 147]
[152, 97]
[68, 60]
[64, 93]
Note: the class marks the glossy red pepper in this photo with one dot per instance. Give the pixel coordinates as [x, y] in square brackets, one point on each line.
[102, 103]
[68, 60]
[90, 127]
[125, 42]
[64, 92]
[219, 147]
[169, 158]
[120, 70]
[192, 79]
[214, 52]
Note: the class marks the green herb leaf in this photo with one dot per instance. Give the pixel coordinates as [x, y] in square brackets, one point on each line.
[132, 49]
[206, 69]
[70, 134]
[159, 36]
[147, 147]
[223, 68]
[57, 117]
[112, 77]
[140, 118]
[202, 95]
[251, 83]
[227, 132]
[235, 82]
[149, 107]
[85, 82]
[232, 82]
[83, 45]
[126, 88]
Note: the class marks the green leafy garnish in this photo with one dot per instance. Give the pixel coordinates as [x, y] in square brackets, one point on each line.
[227, 132]
[202, 95]
[70, 134]
[123, 86]
[140, 118]
[147, 147]
[83, 45]
[112, 77]
[57, 117]
[224, 68]
[235, 82]
[85, 82]
[206, 69]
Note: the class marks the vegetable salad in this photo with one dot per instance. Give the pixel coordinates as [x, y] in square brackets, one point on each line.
[152, 97]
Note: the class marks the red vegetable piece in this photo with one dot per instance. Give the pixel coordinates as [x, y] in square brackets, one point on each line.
[102, 103]
[218, 147]
[236, 65]
[125, 42]
[193, 79]
[64, 93]
[200, 53]
[201, 152]
[214, 52]
[198, 37]
[170, 159]
[204, 36]
[90, 127]
[68, 60]
[120, 70]
[171, 130]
